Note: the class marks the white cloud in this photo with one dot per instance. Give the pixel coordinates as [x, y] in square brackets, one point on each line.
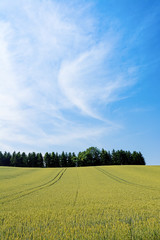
[55, 73]
[88, 80]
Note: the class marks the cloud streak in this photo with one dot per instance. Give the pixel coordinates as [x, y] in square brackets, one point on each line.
[56, 71]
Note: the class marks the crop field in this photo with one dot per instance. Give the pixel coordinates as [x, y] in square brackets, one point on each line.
[107, 202]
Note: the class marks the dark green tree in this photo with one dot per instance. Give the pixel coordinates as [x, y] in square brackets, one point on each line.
[24, 160]
[32, 159]
[105, 157]
[63, 159]
[115, 158]
[39, 160]
[57, 160]
[47, 159]
[129, 157]
[52, 162]
[1, 159]
[80, 159]
[74, 160]
[14, 162]
[19, 160]
[70, 160]
[137, 158]
[6, 159]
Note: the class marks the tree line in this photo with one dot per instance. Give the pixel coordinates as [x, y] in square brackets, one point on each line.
[90, 157]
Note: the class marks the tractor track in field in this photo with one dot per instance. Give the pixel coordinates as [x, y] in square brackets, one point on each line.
[37, 188]
[75, 200]
[29, 189]
[123, 181]
[77, 191]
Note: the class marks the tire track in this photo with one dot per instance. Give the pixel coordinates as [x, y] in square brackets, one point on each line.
[13, 194]
[123, 181]
[77, 191]
[75, 200]
[40, 187]
[58, 178]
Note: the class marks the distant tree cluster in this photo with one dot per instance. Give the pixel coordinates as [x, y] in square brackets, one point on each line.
[90, 157]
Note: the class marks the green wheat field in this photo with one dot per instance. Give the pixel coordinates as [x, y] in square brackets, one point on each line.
[107, 202]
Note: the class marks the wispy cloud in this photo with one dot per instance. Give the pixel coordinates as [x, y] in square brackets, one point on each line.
[56, 71]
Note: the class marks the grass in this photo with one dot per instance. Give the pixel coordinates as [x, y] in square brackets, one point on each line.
[109, 202]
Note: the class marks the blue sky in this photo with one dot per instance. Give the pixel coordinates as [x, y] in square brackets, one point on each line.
[75, 74]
